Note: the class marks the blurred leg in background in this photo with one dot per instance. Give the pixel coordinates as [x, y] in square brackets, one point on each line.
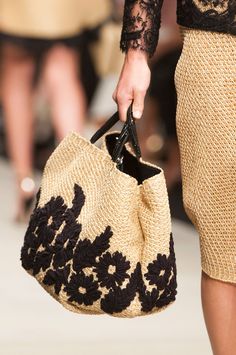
[46, 33]
[66, 100]
[108, 61]
[65, 92]
[17, 100]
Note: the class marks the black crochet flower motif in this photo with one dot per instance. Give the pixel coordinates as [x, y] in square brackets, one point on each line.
[29, 249]
[168, 295]
[39, 251]
[31, 242]
[112, 269]
[64, 245]
[159, 271]
[52, 245]
[49, 219]
[86, 252]
[42, 261]
[27, 256]
[57, 278]
[118, 299]
[162, 274]
[82, 289]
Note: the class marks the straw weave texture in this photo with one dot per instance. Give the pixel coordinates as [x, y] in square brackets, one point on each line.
[205, 80]
[110, 223]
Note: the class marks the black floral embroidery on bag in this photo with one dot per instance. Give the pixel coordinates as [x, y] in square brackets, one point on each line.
[162, 274]
[49, 218]
[82, 289]
[42, 261]
[118, 299]
[63, 247]
[86, 251]
[84, 269]
[38, 251]
[29, 249]
[58, 278]
[159, 271]
[112, 269]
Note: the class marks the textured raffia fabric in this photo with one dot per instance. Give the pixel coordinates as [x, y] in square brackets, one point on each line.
[205, 80]
[139, 218]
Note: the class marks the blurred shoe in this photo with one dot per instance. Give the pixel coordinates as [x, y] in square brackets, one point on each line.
[26, 196]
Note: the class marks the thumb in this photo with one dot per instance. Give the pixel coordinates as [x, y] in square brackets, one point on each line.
[138, 103]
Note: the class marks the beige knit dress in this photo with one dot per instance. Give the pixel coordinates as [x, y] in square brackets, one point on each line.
[205, 80]
[50, 18]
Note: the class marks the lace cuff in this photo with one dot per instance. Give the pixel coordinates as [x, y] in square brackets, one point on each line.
[141, 23]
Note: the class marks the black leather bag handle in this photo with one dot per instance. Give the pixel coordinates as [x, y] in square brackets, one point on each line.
[105, 127]
[128, 133]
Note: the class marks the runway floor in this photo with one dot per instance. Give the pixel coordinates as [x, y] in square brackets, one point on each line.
[33, 323]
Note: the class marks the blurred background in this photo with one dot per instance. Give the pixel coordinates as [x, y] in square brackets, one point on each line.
[59, 64]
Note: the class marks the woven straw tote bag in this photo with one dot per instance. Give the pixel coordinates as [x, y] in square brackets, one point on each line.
[99, 238]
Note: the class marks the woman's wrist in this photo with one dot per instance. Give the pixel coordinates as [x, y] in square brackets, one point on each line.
[136, 55]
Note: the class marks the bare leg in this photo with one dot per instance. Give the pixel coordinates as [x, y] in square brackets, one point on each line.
[17, 100]
[219, 308]
[66, 94]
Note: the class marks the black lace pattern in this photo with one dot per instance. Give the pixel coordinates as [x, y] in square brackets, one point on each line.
[84, 269]
[208, 15]
[141, 23]
[141, 20]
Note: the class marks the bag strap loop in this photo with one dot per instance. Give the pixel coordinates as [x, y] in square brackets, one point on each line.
[128, 133]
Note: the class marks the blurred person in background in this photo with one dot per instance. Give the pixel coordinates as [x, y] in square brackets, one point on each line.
[108, 61]
[49, 30]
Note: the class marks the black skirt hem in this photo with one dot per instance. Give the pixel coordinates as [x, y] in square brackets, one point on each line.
[36, 45]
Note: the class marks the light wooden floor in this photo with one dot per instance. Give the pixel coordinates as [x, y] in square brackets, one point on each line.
[33, 323]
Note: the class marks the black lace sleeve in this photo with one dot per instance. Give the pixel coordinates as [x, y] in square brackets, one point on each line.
[141, 23]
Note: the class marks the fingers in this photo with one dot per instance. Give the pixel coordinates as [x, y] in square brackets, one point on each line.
[123, 108]
[133, 83]
[123, 103]
[138, 104]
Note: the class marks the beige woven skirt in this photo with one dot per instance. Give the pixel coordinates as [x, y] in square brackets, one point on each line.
[205, 80]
